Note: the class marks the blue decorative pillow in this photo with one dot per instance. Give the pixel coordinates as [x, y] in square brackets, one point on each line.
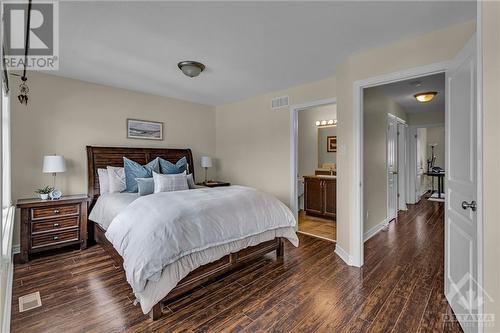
[167, 167]
[134, 170]
[146, 186]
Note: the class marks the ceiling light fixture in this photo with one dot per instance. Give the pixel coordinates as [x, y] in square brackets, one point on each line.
[425, 97]
[191, 68]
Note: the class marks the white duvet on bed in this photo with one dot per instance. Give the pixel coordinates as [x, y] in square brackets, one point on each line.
[155, 291]
[161, 229]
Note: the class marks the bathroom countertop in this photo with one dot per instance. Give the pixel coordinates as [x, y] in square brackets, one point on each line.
[321, 176]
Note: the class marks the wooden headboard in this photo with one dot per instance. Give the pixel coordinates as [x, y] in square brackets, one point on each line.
[101, 157]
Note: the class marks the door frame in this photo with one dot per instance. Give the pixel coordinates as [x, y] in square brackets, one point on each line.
[412, 160]
[357, 257]
[294, 149]
[403, 167]
[412, 73]
[399, 121]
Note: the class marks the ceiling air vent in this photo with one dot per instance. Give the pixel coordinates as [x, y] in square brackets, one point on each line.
[279, 102]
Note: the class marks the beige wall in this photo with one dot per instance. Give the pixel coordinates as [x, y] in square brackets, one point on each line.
[376, 107]
[436, 135]
[426, 118]
[430, 48]
[491, 158]
[308, 137]
[65, 115]
[253, 141]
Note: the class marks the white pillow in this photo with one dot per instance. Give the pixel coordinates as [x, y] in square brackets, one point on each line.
[103, 180]
[116, 177]
[190, 181]
[171, 182]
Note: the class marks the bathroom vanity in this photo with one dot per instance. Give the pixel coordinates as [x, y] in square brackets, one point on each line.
[320, 193]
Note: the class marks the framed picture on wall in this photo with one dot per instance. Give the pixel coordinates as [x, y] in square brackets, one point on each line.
[144, 129]
[331, 144]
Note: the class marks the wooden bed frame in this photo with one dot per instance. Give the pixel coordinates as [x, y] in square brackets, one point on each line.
[101, 157]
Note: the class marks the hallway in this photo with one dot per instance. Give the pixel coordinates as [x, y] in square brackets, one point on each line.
[410, 254]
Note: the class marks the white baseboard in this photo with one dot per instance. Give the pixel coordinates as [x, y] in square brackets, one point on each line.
[8, 297]
[343, 254]
[16, 249]
[374, 230]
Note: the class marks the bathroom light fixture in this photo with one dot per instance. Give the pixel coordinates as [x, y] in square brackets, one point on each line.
[331, 122]
[191, 68]
[425, 97]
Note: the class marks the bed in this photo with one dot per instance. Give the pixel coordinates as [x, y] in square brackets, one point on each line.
[187, 270]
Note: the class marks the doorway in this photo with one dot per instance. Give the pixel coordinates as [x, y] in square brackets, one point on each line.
[401, 165]
[461, 221]
[314, 165]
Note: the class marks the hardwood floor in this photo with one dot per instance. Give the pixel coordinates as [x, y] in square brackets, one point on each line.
[316, 226]
[400, 289]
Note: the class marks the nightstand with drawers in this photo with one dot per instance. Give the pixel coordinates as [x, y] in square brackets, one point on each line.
[52, 224]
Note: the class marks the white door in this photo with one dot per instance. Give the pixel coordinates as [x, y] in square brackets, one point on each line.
[392, 167]
[402, 177]
[461, 272]
[421, 165]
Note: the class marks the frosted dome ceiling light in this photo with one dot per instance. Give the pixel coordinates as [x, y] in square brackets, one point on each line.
[191, 68]
[425, 96]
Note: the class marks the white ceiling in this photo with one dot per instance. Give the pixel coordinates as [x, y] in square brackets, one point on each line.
[248, 47]
[403, 93]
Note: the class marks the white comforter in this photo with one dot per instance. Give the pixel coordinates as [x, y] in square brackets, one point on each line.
[159, 229]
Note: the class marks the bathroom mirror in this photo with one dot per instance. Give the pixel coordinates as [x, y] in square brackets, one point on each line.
[327, 147]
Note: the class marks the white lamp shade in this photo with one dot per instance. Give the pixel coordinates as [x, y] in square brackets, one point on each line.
[206, 162]
[53, 164]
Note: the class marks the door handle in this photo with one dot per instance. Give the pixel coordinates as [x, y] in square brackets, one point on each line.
[472, 205]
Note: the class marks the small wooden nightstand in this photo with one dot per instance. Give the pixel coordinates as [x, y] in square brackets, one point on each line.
[213, 184]
[52, 224]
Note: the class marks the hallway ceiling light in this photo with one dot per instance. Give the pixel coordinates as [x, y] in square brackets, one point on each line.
[191, 68]
[425, 96]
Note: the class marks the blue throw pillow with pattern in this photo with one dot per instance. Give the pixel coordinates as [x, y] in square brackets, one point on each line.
[134, 170]
[168, 168]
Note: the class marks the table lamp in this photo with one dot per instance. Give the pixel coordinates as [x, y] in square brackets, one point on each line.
[206, 162]
[54, 164]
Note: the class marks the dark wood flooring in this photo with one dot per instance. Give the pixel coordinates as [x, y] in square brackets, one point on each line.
[400, 289]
